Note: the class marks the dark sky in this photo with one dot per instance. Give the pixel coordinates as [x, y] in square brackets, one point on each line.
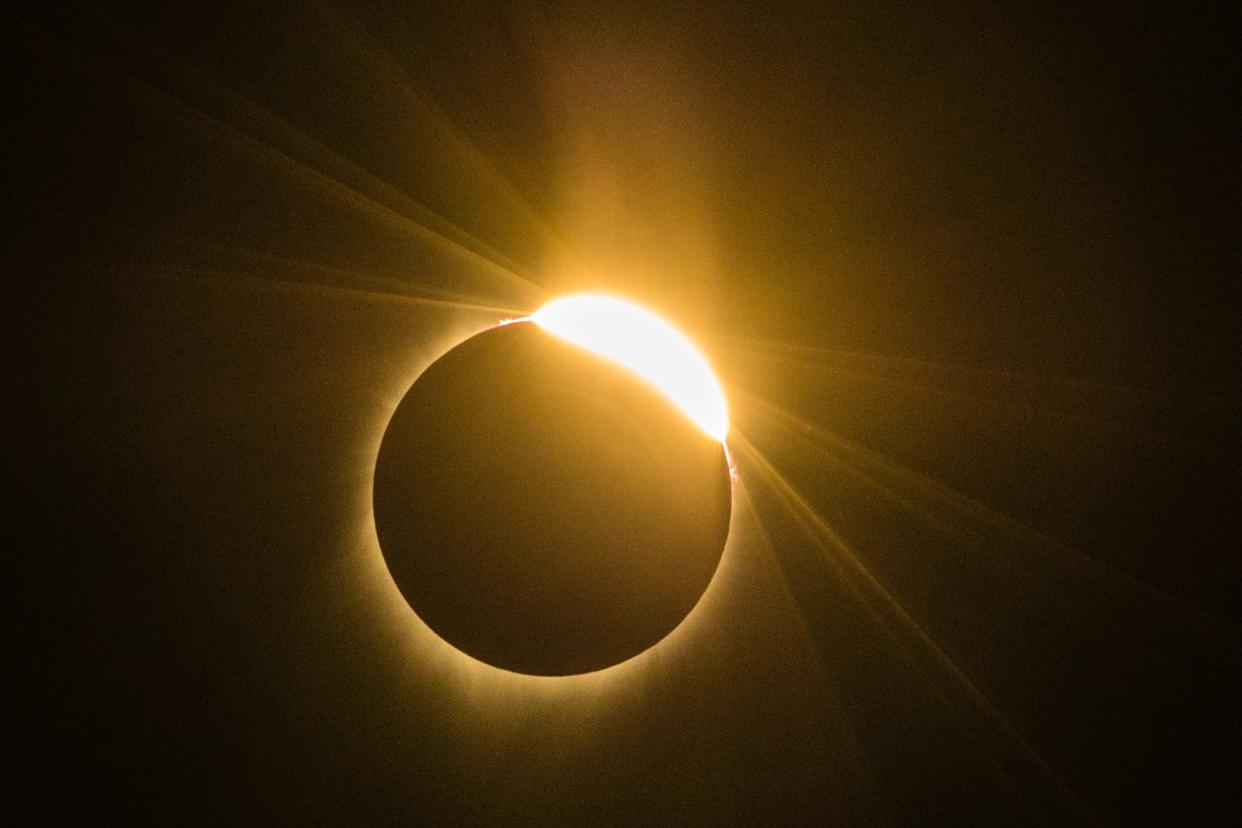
[966, 274]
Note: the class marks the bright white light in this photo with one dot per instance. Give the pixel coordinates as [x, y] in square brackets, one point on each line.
[647, 345]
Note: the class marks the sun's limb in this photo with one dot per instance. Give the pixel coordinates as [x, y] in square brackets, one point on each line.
[643, 342]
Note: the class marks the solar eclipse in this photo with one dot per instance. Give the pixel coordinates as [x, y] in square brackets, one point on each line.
[552, 496]
[965, 270]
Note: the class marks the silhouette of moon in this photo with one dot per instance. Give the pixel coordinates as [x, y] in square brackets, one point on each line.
[545, 510]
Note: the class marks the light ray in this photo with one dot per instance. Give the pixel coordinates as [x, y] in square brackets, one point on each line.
[1105, 405]
[892, 478]
[256, 280]
[428, 226]
[428, 109]
[876, 597]
[386, 285]
[848, 734]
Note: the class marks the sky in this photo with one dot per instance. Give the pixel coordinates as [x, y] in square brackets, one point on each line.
[964, 275]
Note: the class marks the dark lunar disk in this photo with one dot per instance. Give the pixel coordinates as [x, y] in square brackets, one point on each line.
[545, 510]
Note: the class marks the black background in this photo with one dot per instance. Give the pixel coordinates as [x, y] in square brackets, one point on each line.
[966, 273]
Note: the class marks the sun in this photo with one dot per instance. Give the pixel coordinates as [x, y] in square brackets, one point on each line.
[641, 341]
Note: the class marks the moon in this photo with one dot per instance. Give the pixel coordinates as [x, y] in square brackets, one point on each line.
[553, 495]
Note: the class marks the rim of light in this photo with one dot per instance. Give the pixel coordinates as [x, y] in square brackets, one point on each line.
[638, 339]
